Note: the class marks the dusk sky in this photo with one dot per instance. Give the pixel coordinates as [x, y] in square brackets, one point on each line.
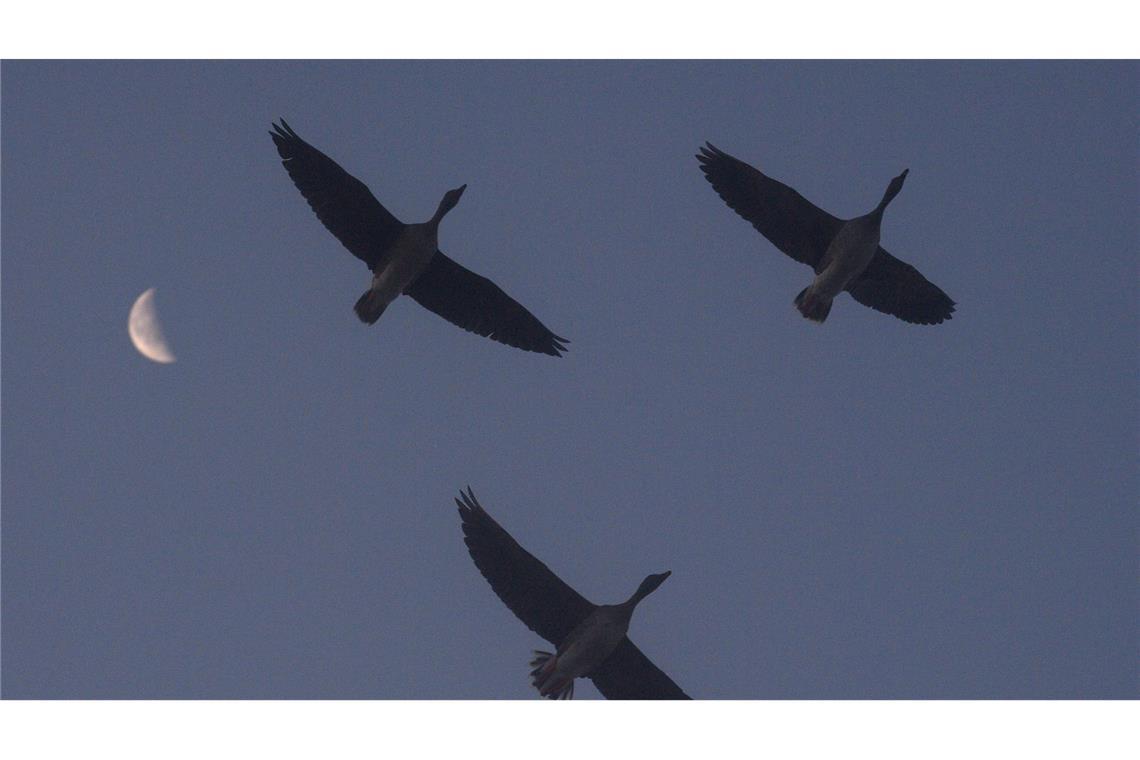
[860, 509]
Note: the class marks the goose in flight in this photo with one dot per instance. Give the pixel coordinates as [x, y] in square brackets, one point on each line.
[405, 258]
[845, 254]
[590, 639]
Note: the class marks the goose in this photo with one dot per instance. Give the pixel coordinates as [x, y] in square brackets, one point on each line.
[590, 640]
[845, 254]
[405, 258]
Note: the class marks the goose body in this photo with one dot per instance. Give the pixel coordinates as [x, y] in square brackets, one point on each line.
[590, 640]
[409, 256]
[584, 649]
[405, 258]
[845, 254]
[588, 645]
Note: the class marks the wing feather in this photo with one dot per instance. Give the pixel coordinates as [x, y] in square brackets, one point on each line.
[896, 288]
[343, 203]
[629, 674]
[790, 221]
[538, 597]
[480, 306]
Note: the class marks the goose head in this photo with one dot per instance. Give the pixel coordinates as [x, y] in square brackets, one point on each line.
[648, 586]
[449, 201]
[893, 189]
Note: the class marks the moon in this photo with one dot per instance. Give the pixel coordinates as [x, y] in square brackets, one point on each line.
[146, 332]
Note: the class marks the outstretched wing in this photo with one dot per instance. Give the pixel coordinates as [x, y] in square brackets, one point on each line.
[536, 595]
[629, 674]
[476, 304]
[895, 287]
[342, 202]
[790, 221]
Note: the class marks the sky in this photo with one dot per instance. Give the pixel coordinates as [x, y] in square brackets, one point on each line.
[862, 509]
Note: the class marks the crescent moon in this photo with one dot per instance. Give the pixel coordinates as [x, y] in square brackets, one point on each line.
[146, 332]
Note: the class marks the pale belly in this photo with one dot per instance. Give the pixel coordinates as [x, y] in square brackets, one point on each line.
[406, 260]
[847, 256]
[590, 649]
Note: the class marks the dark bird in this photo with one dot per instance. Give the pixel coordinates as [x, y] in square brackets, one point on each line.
[590, 640]
[405, 258]
[845, 254]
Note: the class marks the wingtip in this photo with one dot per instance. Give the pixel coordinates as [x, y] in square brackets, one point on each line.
[709, 154]
[283, 129]
[558, 346]
[934, 318]
[467, 501]
[947, 313]
[708, 150]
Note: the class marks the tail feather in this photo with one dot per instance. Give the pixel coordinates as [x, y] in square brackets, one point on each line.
[370, 306]
[812, 306]
[546, 679]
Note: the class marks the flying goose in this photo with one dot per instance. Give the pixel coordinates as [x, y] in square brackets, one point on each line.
[845, 254]
[590, 640]
[404, 258]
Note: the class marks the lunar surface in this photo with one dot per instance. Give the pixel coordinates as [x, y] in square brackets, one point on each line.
[146, 332]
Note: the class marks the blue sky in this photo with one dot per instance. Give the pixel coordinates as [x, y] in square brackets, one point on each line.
[862, 509]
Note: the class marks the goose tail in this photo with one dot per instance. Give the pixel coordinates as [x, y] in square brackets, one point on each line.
[812, 306]
[370, 306]
[545, 677]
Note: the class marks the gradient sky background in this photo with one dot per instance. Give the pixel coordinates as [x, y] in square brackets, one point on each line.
[863, 509]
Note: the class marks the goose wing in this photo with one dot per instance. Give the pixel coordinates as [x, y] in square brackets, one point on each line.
[480, 306]
[529, 588]
[629, 674]
[895, 287]
[342, 202]
[790, 221]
